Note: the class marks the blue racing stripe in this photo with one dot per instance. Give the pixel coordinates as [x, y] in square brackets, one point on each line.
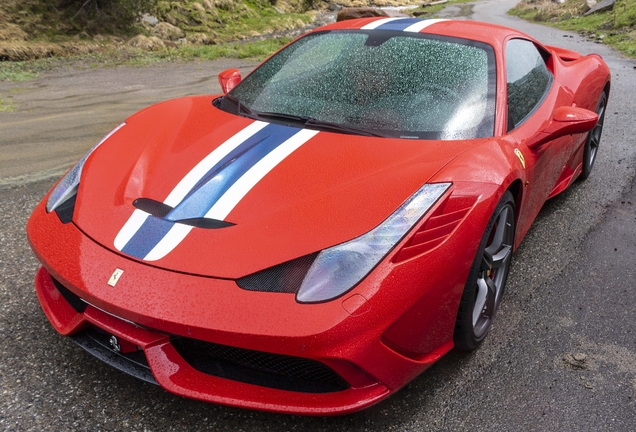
[399, 24]
[231, 168]
[147, 237]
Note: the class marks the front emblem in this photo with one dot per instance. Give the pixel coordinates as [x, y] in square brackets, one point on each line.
[114, 343]
[114, 278]
[521, 158]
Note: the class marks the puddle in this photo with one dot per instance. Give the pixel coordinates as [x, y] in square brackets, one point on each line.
[457, 11]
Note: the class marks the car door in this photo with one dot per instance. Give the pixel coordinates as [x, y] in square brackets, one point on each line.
[532, 96]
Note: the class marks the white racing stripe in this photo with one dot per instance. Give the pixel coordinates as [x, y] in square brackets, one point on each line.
[417, 27]
[129, 229]
[227, 201]
[378, 23]
[243, 185]
[192, 178]
[175, 236]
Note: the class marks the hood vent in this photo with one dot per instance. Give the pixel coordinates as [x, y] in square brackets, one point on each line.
[161, 210]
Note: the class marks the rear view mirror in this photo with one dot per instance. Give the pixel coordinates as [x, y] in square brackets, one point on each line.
[566, 120]
[229, 78]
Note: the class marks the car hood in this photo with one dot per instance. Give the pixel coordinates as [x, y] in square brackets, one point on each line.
[188, 187]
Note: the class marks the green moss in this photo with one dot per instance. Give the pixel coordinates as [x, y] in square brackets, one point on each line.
[6, 107]
[14, 72]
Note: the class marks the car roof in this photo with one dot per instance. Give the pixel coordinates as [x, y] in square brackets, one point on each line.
[491, 34]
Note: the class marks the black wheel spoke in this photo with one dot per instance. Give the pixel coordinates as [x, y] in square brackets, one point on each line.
[498, 238]
[499, 260]
[480, 300]
[486, 262]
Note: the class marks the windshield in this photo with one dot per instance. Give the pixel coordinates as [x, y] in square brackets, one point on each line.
[388, 83]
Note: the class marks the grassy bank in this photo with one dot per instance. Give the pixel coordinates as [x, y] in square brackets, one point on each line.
[616, 28]
[36, 36]
[19, 71]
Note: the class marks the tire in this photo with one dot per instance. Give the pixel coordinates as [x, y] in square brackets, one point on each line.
[593, 139]
[487, 277]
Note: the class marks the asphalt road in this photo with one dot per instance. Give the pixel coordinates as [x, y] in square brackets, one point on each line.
[561, 356]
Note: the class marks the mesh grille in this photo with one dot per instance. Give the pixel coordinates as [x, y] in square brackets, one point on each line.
[285, 278]
[259, 368]
[439, 226]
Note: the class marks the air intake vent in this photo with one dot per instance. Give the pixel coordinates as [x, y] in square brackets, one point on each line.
[284, 278]
[439, 226]
[161, 210]
[259, 368]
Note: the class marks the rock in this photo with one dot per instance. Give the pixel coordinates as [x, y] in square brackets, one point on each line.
[198, 6]
[589, 4]
[576, 361]
[167, 32]
[151, 43]
[603, 6]
[359, 12]
[147, 18]
[334, 7]
[199, 39]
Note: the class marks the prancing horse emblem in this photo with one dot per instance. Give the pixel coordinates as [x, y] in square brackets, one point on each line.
[114, 278]
[521, 158]
[114, 343]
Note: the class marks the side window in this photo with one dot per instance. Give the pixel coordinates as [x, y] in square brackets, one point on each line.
[528, 80]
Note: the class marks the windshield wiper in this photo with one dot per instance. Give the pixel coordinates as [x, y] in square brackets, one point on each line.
[241, 109]
[312, 122]
[281, 116]
[336, 127]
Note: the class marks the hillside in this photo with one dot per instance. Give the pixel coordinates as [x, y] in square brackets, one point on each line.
[615, 26]
[42, 28]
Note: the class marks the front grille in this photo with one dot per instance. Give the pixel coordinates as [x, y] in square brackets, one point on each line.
[259, 368]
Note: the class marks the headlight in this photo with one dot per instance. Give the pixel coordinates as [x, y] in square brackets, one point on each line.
[67, 187]
[338, 269]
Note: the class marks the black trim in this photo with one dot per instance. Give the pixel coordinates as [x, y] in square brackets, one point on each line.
[71, 298]
[96, 342]
[206, 223]
[153, 207]
[65, 210]
[283, 278]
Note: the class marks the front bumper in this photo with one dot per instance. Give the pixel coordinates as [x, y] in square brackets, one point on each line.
[150, 308]
[174, 374]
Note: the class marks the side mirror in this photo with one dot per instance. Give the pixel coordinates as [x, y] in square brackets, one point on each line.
[229, 78]
[566, 120]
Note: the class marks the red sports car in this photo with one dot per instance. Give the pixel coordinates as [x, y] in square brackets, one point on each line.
[327, 229]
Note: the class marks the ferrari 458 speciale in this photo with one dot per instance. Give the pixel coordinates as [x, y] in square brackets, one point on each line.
[326, 229]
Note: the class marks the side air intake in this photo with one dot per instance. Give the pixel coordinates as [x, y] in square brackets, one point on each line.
[439, 226]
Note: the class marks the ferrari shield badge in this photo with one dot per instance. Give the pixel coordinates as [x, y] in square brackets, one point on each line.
[114, 278]
[521, 158]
